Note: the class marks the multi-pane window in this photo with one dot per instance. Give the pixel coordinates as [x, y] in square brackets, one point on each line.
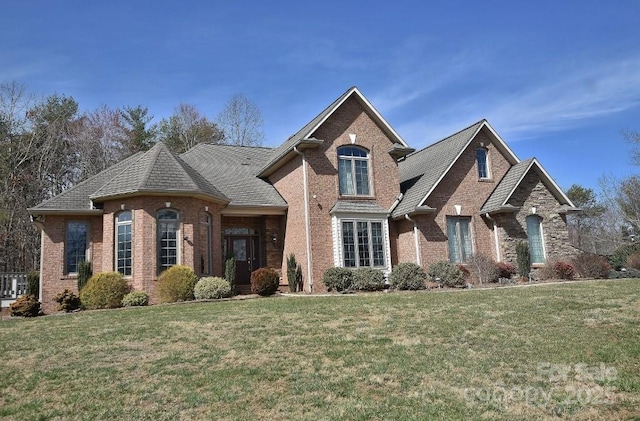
[362, 244]
[481, 159]
[534, 233]
[459, 233]
[167, 238]
[206, 257]
[76, 245]
[123, 243]
[353, 171]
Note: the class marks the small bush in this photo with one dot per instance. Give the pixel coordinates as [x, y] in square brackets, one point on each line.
[135, 299]
[293, 271]
[446, 274]
[368, 279]
[523, 258]
[230, 273]
[483, 268]
[211, 288]
[618, 259]
[33, 283]
[264, 281]
[633, 261]
[592, 266]
[85, 272]
[407, 276]
[67, 301]
[176, 284]
[564, 270]
[505, 270]
[337, 278]
[104, 290]
[25, 306]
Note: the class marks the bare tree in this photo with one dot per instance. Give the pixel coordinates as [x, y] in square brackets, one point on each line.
[241, 121]
[186, 128]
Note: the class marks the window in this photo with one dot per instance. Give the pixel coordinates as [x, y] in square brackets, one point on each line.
[123, 243]
[76, 245]
[459, 233]
[353, 171]
[536, 243]
[167, 239]
[483, 166]
[206, 257]
[362, 244]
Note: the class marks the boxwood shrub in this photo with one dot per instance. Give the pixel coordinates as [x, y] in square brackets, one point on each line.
[212, 287]
[104, 290]
[339, 279]
[407, 276]
[176, 284]
[368, 279]
[135, 299]
[446, 273]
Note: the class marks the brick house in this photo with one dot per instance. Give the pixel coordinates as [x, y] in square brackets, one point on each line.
[345, 190]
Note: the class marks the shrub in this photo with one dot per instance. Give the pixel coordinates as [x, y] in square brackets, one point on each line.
[523, 258]
[84, 273]
[339, 279]
[230, 273]
[294, 273]
[264, 281]
[299, 278]
[212, 287]
[176, 284]
[407, 276]
[135, 299]
[104, 290]
[25, 306]
[483, 268]
[505, 270]
[592, 266]
[33, 283]
[619, 257]
[446, 274]
[564, 270]
[368, 279]
[630, 273]
[633, 261]
[67, 301]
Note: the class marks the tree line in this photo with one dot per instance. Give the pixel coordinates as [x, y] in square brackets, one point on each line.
[47, 146]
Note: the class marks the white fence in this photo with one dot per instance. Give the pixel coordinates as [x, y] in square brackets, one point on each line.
[12, 285]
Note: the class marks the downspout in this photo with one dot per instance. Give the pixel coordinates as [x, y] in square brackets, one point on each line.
[307, 223]
[495, 236]
[39, 223]
[415, 238]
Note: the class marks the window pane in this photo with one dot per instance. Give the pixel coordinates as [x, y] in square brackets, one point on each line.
[123, 246]
[465, 234]
[481, 158]
[348, 244]
[452, 233]
[167, 239]
[535, 239]
[345, 176]
[76, 245]
[363, 244]
[362, 177]
[240, 249]
[377, 242]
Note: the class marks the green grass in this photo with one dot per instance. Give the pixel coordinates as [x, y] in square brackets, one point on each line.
[479, 354]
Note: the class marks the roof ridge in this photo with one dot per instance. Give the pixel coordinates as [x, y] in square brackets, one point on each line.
[156, 149]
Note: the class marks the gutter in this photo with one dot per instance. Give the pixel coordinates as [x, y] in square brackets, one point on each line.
[415, 238]
[307, 224]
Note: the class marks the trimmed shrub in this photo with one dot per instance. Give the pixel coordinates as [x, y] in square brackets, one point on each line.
[265, 281]
[592, 266]
[176, 284]
[33, 283]
[446, 273]
[564, 270]
[633, 261]
[523, 258]
[67, 301]
[25, 306]
[368, 279]
[135, 299]
[407, 276]
[85, 272]
[293, 271]
[619, 257]
[505, 270]
[104, 290]
[339, 279]
[212, 287]
[230, 273]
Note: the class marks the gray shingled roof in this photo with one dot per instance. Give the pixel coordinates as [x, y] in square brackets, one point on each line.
[507, 185]
[357, 206]
[158, 171]
[233, 169]
[77, 198]
[422, 170]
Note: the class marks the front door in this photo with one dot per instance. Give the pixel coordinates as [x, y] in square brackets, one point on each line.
[246, 255]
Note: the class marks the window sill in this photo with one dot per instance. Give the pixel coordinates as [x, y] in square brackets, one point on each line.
[356, 197]
[486, 180]
[69, 276]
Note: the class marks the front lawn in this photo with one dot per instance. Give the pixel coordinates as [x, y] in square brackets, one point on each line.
[570, 350]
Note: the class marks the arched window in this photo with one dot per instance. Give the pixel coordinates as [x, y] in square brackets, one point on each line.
[123, 243]
[536, 238]
[353, 171]
[168, 225]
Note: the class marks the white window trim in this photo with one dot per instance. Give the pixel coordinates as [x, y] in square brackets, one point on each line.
[541, 228]
[116, 225]
[178, 240]
[472, 234]
[336, 227]
[368, 159]
[486, 158]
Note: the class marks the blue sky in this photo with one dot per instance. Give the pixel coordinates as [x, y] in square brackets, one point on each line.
[558, 80]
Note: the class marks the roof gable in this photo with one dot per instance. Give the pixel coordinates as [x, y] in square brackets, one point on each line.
[282, 153]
